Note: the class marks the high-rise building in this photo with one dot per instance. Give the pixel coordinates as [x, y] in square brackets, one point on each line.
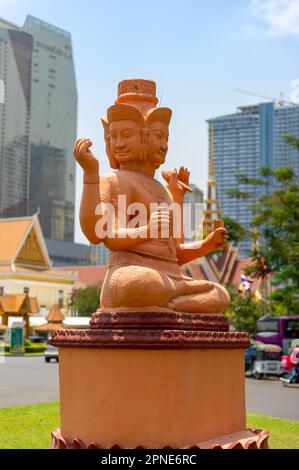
[53, 129]
[38, 125]
[65, 253]
[99, 254]
[244, 141]
[15, 76]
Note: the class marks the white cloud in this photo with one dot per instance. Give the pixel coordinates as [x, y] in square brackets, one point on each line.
[280, 17]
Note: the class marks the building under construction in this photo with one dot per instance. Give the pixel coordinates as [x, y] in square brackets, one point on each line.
[242, 142]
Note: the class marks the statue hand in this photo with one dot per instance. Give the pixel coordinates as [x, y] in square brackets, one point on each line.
[85, 157]
[177, 181]
[216, 239]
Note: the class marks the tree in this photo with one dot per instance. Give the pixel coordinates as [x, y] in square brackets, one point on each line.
[275, 217]
[236, 232]
[243, 311]
[86, 301]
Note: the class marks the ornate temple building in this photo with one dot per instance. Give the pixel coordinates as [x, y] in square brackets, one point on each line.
[25, 266]
[17, 305]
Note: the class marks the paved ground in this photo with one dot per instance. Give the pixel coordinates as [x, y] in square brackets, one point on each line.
[25, 380]
[270, 398]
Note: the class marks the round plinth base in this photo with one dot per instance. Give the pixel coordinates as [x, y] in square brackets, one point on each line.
[248, 439]
[148, 379]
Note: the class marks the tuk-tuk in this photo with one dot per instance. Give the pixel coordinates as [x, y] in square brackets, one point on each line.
[266, 360]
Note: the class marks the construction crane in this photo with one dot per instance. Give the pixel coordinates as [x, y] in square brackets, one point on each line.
[281, 101]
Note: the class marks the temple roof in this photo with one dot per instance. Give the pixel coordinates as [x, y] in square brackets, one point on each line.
[54, 318]
[11, 235]
[22, 243]
[18, 304]
[55, 314]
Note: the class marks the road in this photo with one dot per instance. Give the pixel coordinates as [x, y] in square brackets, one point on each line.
[270, 398]
[25, 380]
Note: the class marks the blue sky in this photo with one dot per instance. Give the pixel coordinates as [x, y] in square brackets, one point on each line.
[197, 51]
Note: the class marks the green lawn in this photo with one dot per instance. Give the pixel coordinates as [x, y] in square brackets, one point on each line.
[284, 434]
[29, 427]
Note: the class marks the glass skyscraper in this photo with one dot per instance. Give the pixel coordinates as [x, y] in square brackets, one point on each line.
[15, 75]
[44, 72]
[244, 141]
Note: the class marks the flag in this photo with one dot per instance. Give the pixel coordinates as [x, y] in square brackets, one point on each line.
[246, 282]
[258, 296]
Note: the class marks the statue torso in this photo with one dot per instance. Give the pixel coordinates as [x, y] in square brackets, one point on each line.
[142, 189]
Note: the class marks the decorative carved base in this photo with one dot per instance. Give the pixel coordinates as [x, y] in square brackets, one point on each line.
[150, 339]
[153, 330]
[160, 319]
[249, 439]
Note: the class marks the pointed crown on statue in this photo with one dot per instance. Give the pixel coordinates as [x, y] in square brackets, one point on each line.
[136, 99]
[137, 92]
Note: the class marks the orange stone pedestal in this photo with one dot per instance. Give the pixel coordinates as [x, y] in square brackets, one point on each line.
[127, 382]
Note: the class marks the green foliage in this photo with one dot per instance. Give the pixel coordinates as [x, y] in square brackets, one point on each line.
[30, 348]
[28, 427]
[275, 217]
[236, 232]
[292, 140]
[35, 348]
[285, 300]
[243, 311]
[244, 179]
[86, 301]
[235, 193]
[284, 434]
[261, 268]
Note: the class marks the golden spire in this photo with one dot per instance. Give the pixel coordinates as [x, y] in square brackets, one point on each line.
[212, 210]
[256, 240]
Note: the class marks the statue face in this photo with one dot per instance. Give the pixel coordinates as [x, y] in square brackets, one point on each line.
[125, 141]
[157, 143]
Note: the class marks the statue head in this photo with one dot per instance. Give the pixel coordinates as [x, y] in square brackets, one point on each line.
[124, 132]
[157, 125]
[135, 131]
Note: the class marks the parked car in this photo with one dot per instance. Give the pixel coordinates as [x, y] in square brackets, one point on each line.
[51, 353]
[36, 339]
